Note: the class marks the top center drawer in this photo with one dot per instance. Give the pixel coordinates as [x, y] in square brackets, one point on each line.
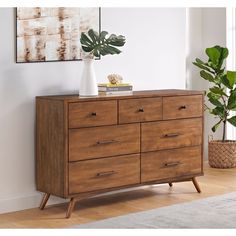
[97, 113]
[140, 110]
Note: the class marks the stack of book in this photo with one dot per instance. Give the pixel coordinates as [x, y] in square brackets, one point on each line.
[115, 89]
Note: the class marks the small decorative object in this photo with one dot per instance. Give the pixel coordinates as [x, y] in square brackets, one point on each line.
[222, 95]
[52, 33]
[115, 86]
[115, 89]
[96, 45]
[115, 78]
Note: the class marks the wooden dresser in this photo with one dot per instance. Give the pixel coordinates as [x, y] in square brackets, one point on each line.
[87, 146]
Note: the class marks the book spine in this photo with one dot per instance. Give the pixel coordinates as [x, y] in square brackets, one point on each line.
[116, 92]
[113, 85]
[110, 89]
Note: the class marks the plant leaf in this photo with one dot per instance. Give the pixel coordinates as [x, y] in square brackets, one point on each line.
[213, 95]
[206, 76]
[84, 39]
[225, 81]
[232, 101]
[201, 66]
[99, 44]
[113, 50]
[215, 127]
[96, 52]
[223, 51]
[218, 111]
[87, 49]
[92, 35]
[116, 40]
[216, 102]
[231, 76]
[232, 120]
[104, 51]
[103, 35]
[199, 61]
[217, 90]
[223, 54]
[213, 54]
[84, 42]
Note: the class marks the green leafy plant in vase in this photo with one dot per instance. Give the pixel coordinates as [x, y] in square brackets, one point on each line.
[222, 97]
[95, 45]
[102, 44]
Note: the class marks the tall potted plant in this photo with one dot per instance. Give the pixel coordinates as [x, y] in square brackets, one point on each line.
[222, 97]
[94, 45]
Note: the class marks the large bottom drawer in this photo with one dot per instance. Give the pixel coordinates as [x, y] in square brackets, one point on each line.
[97, 174]
[171, 163]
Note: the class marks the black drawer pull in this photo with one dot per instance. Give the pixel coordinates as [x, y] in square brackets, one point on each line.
[141, 109]
[106, 142]
[104, 174]
[182, 107]
[171, 135]
[93, 114]
[172, 164]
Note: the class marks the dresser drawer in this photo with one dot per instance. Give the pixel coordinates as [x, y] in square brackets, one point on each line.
[170, 163]
[104, 173]
[138, 110]
[86, 114]
[182, 107]
[88, 143]
[171, 134]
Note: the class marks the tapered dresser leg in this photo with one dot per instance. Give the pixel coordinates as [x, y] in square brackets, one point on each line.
[170, 184]
[196, 185]
[70, 207]
[44, 201]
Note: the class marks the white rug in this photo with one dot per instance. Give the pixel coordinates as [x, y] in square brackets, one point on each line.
[213, 212]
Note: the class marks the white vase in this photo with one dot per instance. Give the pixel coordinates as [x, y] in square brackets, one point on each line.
[88, 84]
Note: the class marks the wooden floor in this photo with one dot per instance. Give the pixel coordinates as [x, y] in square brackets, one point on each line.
[215, 182]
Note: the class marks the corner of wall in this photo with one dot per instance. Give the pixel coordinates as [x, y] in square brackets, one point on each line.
[31, 200]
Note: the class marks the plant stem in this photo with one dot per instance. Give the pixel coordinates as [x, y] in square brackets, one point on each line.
[225, 116]
[224, 129]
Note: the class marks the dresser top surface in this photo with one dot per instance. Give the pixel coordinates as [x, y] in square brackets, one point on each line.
[135, 94]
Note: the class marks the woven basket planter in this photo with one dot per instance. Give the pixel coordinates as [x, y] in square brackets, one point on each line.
[222, 154]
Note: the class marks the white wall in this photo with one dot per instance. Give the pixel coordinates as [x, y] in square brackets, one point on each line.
[231, 59]
[153, 58]
[206, 28]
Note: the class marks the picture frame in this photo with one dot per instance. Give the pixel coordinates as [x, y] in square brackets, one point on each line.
[52, 34]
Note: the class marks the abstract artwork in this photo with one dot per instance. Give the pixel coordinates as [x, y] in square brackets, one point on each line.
[52, 34]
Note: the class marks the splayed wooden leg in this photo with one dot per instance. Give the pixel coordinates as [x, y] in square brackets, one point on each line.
[196, 185]
[44, 201]
[70, 207]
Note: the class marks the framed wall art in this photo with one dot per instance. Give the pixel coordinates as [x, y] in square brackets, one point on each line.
[53, 34]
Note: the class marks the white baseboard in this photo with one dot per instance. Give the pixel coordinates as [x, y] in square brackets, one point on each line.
[26, 202]
[33, 200]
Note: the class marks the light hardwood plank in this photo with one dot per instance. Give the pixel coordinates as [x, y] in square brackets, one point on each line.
[215, 182]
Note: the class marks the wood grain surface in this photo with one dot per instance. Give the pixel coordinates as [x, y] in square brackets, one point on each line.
[88, 143]
[87, 114]
[171, 134]
[139, 110]
[83, 150]
[172, 163]
[104, 173]
[50, 147]
[136, 94]
[182, 107]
